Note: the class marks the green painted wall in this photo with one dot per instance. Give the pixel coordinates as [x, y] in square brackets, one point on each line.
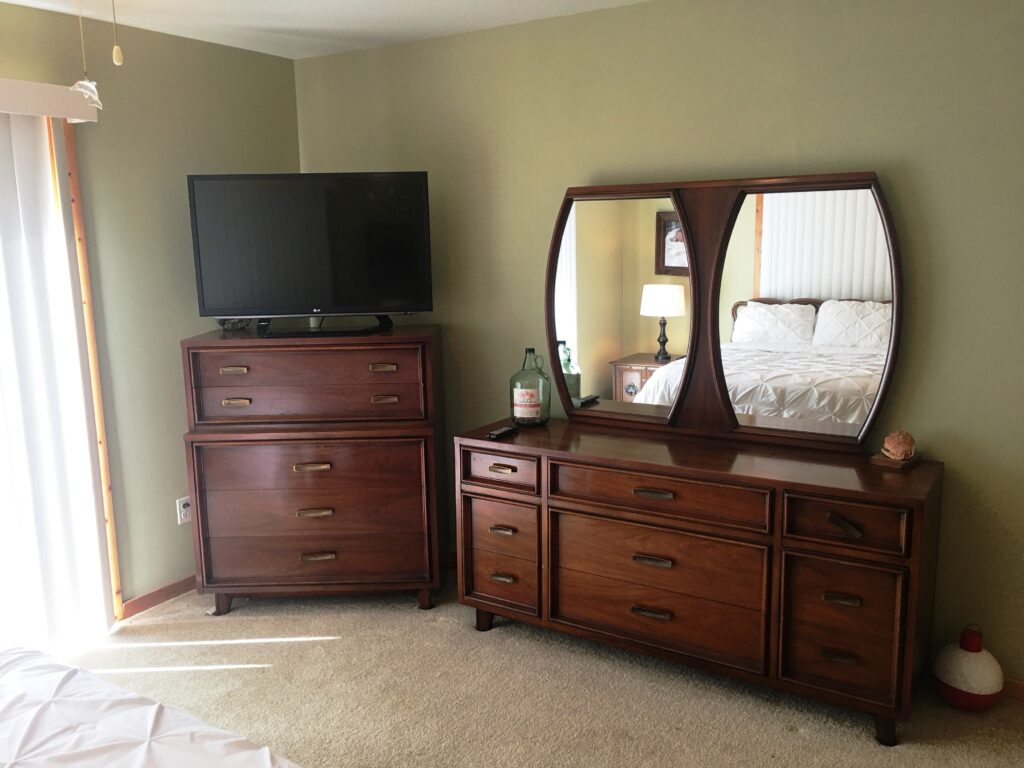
[176, 107]
[926, 93]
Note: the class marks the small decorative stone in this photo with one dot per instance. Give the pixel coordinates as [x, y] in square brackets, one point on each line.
[898, 446]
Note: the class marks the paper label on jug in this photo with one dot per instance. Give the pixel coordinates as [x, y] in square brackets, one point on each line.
[526, 403]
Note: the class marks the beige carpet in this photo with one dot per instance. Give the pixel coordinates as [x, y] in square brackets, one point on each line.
[377, 682]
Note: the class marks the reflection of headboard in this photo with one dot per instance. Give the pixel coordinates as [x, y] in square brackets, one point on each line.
[816, 303]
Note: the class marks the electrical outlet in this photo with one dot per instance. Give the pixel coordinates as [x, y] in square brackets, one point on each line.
[184, 508]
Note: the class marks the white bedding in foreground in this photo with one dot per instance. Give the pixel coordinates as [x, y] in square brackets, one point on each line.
[53, 715]
[832, 384]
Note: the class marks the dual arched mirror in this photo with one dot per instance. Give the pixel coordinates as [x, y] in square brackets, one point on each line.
[762, 308]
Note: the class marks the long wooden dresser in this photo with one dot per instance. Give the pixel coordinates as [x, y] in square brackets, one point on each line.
[311, 463]
[804, 570]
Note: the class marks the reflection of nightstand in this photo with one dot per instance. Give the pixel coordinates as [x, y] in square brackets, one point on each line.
[631, 373]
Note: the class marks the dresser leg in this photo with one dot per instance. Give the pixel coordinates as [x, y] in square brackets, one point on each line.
[484, 620]
[885, 730]
[424, 599]
[221, 604]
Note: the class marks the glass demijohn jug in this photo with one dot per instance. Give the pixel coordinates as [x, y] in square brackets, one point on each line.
[531, 392]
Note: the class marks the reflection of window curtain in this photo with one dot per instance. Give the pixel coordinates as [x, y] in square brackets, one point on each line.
[565, 287]
[52, 551]
[824, 245]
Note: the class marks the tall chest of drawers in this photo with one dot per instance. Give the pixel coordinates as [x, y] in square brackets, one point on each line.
[311, 463]
[805, 571]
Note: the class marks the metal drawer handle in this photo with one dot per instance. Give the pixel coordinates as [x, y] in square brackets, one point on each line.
[234, 370]
[381, 399]
[383, 367]
[845, 525]
[840, 598]
[840, 657]
[316, 557]
[236, 402]
[654, 493]
[653, 560]
[503, 530]
[316, 512]
[651, 613]
[503, 469]
[503, 578]
[315, 466]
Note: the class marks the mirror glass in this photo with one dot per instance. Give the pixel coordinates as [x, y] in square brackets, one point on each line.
[622, 268]
[805, 310]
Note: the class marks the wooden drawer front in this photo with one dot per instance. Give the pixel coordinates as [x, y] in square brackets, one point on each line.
[844, 596]
[310, 402]
[858, 665]
[723, 504]
[882, 529]
[328, 464]
[501, 470]
[711, 630]
[631, 381]
[317, 559]
[501, 527]
[382, 509]
[693, 565]
[498, 577]
[383, 364]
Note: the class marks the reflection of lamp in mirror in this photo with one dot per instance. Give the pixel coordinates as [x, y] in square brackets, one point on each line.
[663, 301]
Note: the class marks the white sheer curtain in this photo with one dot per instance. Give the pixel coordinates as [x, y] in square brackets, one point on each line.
[53, 577]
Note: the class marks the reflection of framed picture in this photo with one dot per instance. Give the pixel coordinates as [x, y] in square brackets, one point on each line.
[671, 254]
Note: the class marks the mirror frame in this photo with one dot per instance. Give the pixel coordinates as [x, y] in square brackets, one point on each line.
[707, 211]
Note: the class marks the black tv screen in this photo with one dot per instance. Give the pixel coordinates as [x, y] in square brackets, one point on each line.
[311, 244]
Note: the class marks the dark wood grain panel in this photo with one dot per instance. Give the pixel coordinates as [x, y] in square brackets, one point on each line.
[723, 504]
[699, 566]
[297, 559]
[272, 465]
[716, 631]
[502, 527]
[831, 658]
[499, 577]
[399, 508]
[861, 526]
[848, 597]
[501, 470]
[243, 402]
[255, 366]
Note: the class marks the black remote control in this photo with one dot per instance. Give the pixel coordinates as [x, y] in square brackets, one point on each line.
[503, 431]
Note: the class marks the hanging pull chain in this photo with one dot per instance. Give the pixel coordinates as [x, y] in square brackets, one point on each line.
[117, 55]
[81, 38]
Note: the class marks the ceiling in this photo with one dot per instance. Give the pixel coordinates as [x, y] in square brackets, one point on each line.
[298, 29]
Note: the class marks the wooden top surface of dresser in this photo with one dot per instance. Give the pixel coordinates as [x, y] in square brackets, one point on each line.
[720, 461]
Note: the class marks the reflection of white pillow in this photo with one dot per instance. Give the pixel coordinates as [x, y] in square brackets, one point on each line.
[853, 324]
[759, 323]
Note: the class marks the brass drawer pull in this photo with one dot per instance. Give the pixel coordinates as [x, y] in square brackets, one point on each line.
[503, 578]
[840, 657]
[383, 367]
[840, 598]
[653, 560]
[316, 557]
[845, 525]
[651, 613]
[234, 370]
[381, 399]
[315, 466]
[503, 530]
[502, 469]
[236, 402]
[316, 512]
[654, 493]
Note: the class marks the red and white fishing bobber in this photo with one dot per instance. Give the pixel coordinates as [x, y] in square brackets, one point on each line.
[966, 675]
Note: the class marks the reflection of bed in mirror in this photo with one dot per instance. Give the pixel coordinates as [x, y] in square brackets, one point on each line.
[805, 364]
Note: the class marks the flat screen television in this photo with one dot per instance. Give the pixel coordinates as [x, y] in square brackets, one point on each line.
[311, 244]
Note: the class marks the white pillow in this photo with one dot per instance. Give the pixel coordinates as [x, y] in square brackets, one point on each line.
[853, 324]
[774, 323]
